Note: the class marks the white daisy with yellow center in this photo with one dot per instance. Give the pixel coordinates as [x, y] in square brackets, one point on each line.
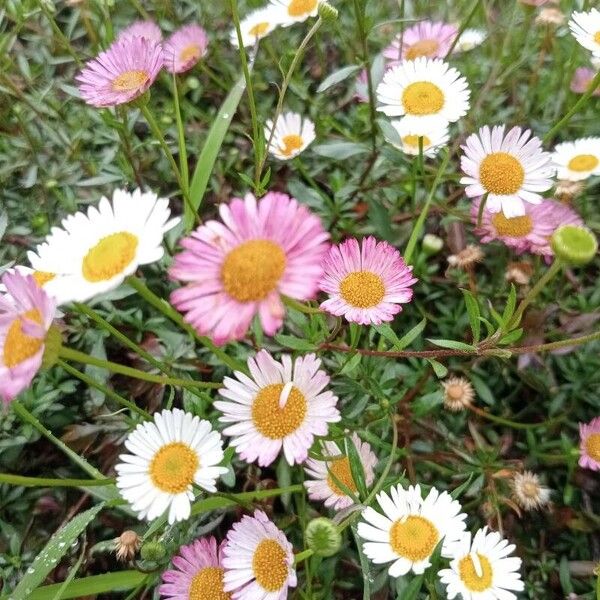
[410, 528]
[426, 92]
[577, 160]
[585, 26]
[295, 11]
[169, 456]
[292, 135]
[255, 26]
[482, 569]
[94, 252]
[49, 282]
[469, 39]
[414, 136]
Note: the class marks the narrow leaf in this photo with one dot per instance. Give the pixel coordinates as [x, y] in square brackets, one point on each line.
[337, 77]
[453, 345]
[474, 314]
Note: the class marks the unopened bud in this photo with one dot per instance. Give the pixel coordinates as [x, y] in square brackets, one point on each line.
[153, 551]
[327, 12]
[323, 537]
[432, 244]
[574, 244]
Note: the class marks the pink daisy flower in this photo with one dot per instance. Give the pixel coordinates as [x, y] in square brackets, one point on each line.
[366, 284]
[281, 405]
[184, 48]
[197, 573]
[581, 81]
[122, 73]
[427, 38]
[324, 486]
[589, 435]
[258, 560]
[26, 313]
[530, 232]
[146, 29]
[240, 267]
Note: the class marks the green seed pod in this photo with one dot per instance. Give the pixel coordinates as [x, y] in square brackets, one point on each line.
[153, 551]
[327, 12]
[574, 244]
[323, 537]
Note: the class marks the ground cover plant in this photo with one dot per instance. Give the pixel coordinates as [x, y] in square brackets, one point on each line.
[299, 299]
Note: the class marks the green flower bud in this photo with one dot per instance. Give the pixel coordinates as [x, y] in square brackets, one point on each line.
[153, 551]
[327, 12]
[52, 346]
[323, 537]
[432, 244]
[193, 83]
[574, 244]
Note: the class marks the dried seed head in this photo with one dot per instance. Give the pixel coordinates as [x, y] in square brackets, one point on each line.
[528, 492]
[127, 545]
[466, 258]
[458, 393]
[519, 272]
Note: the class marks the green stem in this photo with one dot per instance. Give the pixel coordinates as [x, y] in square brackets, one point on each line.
[482, 204]
[300, 307]
[44, 482]
[392, 457]
[298, 558]
[576, 107]
[167, 310]
[514, 424]
[183, 162]
[101, 388]
[416, 232]
[364, 565]
[463, 27]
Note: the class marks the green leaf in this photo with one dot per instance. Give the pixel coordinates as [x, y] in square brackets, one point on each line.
[212, 145]
[458, 492]
[120, 581]
[356, 468]
[512, 337]
[340, 150]
[411, 591]
[407, 339]
[511, 304]
[337, 77]
[379, 218]
[390, 133]
[474, 314]
[56, 547]
[351, 364]
[438, 368]
[453, 345]
[295, 343]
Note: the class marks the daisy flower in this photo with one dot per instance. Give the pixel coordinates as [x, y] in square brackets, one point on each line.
[433, 137]
[429, 39]
[528, 492]
[258, 560]
[257, 25]
[366, 282]
[589, 435]
[281, 405]
[169, 455]
[240, 267]
[122, 73]
[26, 313]
[49, 282]
[469, 39]
[511, 169]
[295, 11]
[483, 568]
[293, 134]
[324, 486]
[424, 91]
[94, 252]
[577, 160]
[146, 29]
[582, 79]
[184, 48]
[585, 26]
[410, 528]
[197, 573]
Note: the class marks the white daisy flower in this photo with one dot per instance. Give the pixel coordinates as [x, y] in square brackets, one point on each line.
[482, 570]
[424, 91]
[168, 456]
[282, 404]
[410, 132]
[49, 282]
[293, 134]
[510, 169]
[258, 560]
[257, 25]
[410, 528]
[94, 252]
[295, 11]
[325, 487]
[469, 39]
[577, 160]
[585, 26]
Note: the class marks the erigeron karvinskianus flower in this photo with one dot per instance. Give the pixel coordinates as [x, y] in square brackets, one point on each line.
[146, 29]
[294, 11]
[428, 39]
[184, 48]
[589, 444]
[585, 26]
[415, 138]
[582, 79]
[255, 26]
[577, 160]
[470, 39]
[293, 134]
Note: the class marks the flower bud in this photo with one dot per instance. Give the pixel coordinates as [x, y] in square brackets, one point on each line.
[574, 244]
[323, 537]
[432, 244]
[327, 12]
[52, 346]
[153, 551]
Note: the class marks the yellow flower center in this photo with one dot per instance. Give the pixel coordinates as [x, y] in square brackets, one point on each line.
[362, 289]
[273, 420]
[340, 468]
[19, 346]
[597, 37]
[422, 98]
[592, 446]
[422, 48]
[270, 566]
[290, 143]
[414, 538]
[501, 173]
[514, 227]
[130, 80]
[252, 270]
[43, 277]
[173, 467]
[297, 8]
[207, 584]
[259, 29]
[413, 141]
[109, 257]
[475, 579]
[191, 52]
[583, 162]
